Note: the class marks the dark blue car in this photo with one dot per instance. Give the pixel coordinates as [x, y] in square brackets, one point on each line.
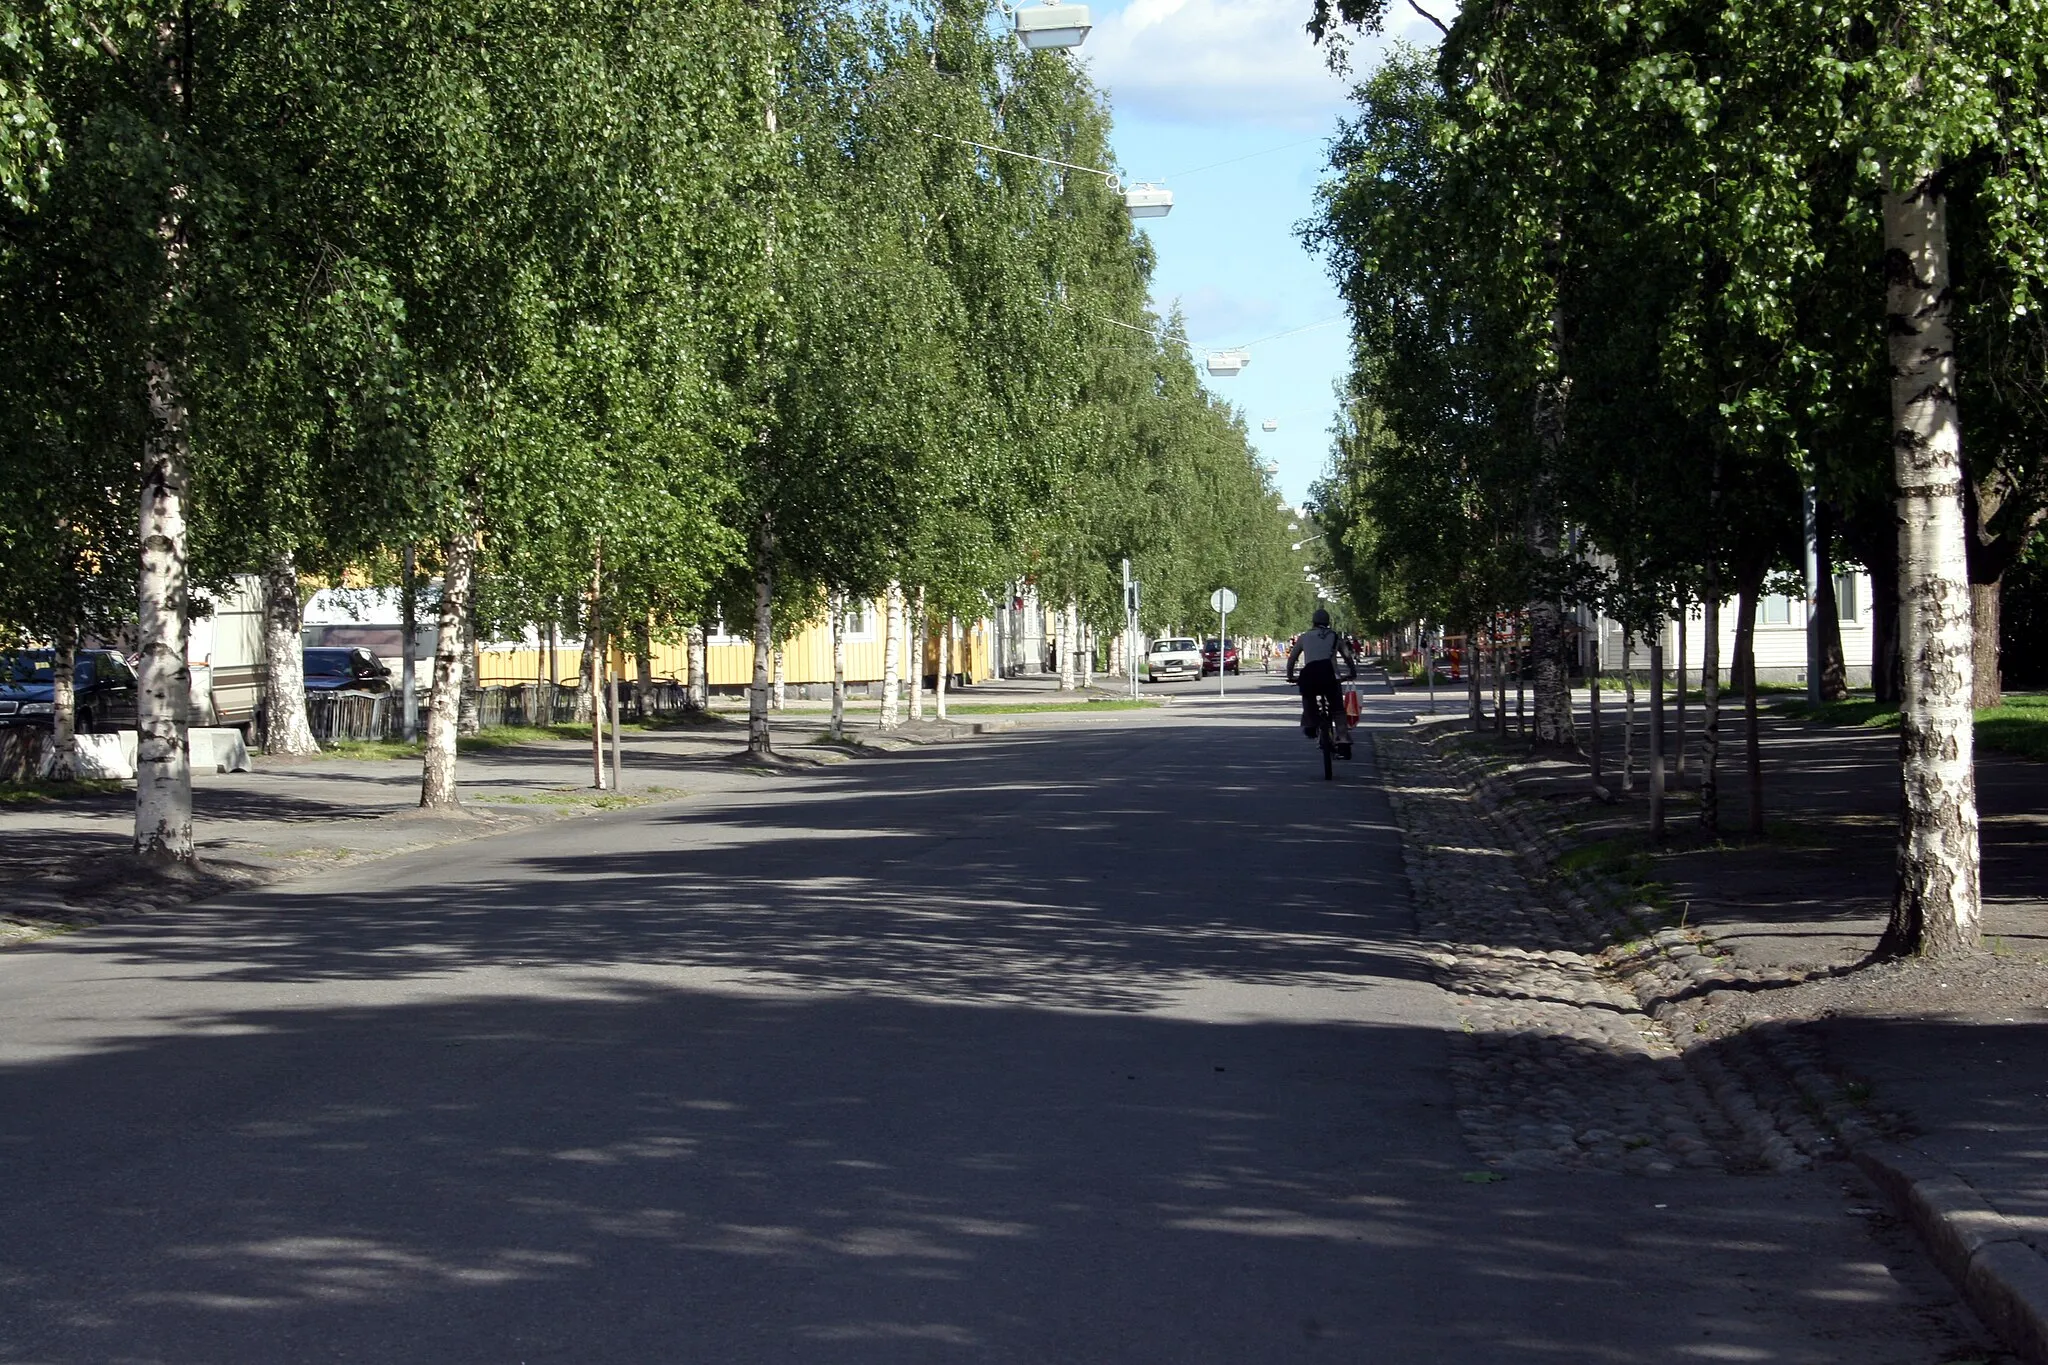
[345, 670]
[105, 689]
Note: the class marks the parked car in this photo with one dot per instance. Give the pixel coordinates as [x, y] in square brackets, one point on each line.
[1210, 649]
[104, 689]
[346, 670]
[1173, 658]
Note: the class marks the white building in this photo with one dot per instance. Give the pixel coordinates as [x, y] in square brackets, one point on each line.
[1780, 636]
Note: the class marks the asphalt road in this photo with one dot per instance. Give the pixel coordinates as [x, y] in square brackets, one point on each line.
[1097, 1042]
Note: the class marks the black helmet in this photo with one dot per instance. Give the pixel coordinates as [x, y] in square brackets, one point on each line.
[1322, 618]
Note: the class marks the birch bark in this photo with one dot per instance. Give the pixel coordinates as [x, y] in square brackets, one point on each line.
[1628, 725]
[437, 770]
[64, 707]
[760, 741]
[1746, 598]
[1935, 905]
[837, 606]
[698, 650]
[163, 688]
[1678, 744]
[917, 633]
[1710, 708]
[468, 699]
[285, 730]
[1067, 621]
[892, 646]
[945, 665]
[1475, 709]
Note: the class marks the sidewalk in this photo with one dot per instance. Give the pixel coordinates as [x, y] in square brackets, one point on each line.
[1933, 1077]
[65, 862]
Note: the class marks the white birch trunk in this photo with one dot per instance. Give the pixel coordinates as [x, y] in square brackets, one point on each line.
[917, 643]
[590, 675]
[1935, 905]
[837, 606]
[699, 651]
[285, 730]
[760, 739]
[467, 719]
[437, 768]
[1710, 708]
[64, 707]
[1628, 727]
[892, 648]
[163, 691]
[779, 688]
[945, 664]
[1064, 633]
[1087, 638]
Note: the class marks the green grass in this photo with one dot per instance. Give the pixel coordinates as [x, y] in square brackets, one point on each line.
[42, 793]
[1622, 859]
[368, 748]
[485, 741]
[2020, 727]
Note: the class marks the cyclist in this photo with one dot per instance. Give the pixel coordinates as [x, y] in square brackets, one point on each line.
[1317, 649]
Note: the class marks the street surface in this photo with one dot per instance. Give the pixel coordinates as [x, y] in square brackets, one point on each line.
[1096, 1041]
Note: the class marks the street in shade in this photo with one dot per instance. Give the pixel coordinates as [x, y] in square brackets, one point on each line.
[1100, 1039]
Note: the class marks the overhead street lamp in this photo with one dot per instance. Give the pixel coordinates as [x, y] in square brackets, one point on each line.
[1051, 25]
[1144, 199]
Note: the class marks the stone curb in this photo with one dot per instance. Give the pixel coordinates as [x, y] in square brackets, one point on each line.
[2002, 1277]
[1999, 1274]
[1775, 1125]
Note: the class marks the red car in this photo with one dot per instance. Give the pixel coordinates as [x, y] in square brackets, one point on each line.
[1209, 651]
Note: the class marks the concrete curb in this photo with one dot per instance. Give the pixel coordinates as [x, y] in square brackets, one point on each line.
[1997, 1272]
[2002, 1277]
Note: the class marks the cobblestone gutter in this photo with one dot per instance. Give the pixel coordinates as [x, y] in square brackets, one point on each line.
[1585, 1044]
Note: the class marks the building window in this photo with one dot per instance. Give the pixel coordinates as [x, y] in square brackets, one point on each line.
[860, 621]
[1777, 610]
[1847, 608]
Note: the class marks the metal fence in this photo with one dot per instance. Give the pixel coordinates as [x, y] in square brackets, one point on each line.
[358, 715]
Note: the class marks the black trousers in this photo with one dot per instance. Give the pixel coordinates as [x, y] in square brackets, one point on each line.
[1319, 679]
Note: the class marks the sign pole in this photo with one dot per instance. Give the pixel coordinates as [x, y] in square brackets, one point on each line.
[1222, 601]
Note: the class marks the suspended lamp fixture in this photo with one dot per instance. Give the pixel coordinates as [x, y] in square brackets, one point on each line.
[1051, 25]
[1147, 200]
[1269, 425]
[1143, 200]
[1228, 364]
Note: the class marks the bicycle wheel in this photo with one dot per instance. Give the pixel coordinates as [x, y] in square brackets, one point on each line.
[1328, 744]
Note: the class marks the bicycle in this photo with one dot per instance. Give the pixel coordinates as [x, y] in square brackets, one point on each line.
[1326, 738]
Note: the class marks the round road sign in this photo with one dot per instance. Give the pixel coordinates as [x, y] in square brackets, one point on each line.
[1223, 599]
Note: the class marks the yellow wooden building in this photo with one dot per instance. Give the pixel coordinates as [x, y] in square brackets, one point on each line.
[729, 659]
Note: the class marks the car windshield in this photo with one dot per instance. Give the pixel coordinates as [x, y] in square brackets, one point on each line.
[1168, 646]
[28, 666]
[327, 662]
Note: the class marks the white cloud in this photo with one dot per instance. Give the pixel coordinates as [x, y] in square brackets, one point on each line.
[1210, 61]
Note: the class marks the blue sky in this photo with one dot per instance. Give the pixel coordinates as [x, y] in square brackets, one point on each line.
[1196, 82]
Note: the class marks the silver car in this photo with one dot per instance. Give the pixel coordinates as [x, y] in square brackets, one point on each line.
[1173, 658]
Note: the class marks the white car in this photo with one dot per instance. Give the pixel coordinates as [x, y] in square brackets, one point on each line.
[1173, 658]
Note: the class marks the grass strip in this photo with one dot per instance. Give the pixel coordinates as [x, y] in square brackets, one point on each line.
[43, 793]
[2020, 727]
